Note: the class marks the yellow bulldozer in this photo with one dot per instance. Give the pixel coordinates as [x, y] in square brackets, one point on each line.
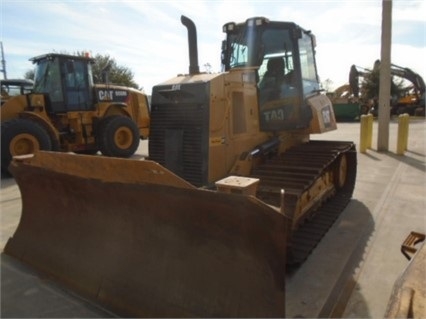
[67, 112]
[234, 190]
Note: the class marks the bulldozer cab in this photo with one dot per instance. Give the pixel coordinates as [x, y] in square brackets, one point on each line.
[283, 54]
[66, 81]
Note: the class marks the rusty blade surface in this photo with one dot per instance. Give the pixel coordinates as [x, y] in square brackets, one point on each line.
[408, 296]
[148, 248]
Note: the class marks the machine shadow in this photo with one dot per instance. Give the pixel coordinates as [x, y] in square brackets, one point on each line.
[332, 267]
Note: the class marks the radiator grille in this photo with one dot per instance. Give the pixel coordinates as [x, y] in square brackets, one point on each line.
[179, 134]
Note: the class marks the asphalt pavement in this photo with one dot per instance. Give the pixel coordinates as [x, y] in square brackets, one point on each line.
[350, 274]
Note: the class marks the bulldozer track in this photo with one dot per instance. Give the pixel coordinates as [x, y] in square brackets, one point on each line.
[295, 171]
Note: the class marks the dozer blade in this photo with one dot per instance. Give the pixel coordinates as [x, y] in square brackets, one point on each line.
[142, 242]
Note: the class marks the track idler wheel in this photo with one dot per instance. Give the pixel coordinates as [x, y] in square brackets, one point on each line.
[341, 171]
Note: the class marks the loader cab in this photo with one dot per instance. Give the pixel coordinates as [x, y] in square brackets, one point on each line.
[66, 80]
[283, 54]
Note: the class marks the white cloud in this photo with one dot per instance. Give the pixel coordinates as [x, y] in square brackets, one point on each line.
[148, 37]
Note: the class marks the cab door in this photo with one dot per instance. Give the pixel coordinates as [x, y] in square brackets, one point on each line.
[77, 92]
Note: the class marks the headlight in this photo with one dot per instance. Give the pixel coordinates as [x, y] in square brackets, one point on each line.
[229, 27]
[256, 21]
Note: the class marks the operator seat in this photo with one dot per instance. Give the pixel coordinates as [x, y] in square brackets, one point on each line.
[275, 68]
[274, 73]
[270, 84]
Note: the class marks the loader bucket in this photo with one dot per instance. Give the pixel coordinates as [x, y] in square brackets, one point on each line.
[142, 242]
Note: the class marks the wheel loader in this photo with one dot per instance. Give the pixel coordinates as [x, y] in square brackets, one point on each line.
[67, 112]
[14, 87]
[233, 191]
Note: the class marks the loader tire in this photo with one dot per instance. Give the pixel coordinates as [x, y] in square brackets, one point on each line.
[20, 137]
[118, 136]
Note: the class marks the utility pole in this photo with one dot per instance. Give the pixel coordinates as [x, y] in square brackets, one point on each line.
[385, 79]
[3, 62]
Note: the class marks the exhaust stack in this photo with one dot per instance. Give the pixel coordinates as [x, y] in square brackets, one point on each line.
[192, 43]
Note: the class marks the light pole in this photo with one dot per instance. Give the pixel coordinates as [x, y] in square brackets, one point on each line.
[385, 80]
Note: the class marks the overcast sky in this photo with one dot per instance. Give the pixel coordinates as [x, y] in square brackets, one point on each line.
[148, 37]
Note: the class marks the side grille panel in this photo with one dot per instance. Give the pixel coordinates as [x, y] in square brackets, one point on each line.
[179, 135]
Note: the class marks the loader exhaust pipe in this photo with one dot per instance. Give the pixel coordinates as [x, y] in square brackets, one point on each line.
[192, 43]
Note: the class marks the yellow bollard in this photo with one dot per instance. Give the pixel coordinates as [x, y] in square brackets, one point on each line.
[407, 124]
[369, 130]
[402, 140]
[363, 133]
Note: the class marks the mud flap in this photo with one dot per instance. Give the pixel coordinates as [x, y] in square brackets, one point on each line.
[142, 242]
